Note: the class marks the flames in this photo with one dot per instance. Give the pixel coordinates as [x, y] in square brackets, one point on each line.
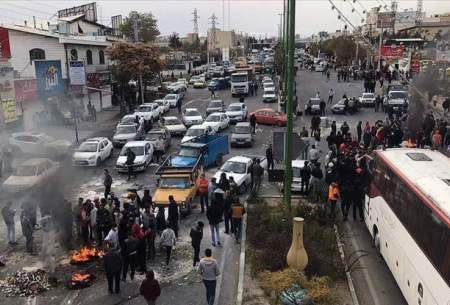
[85, 255]
[78, 277]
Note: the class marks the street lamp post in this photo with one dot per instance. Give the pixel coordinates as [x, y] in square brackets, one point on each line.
[289, 105]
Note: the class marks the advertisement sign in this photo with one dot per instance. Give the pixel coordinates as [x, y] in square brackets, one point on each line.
[5, 50]
[443, 56]
[393, 52]
[385, 20]
[26, 90]
[77, 73]
[49, 77]
[99, 79]
[415, 63]
[88, 10]
[7, 96]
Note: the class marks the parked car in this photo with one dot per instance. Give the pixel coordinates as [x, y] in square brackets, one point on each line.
[144, 154]
[31, 174]
[268, 85]
[313, 106]
[217, 121]
[149, 111]
[196, 131]
[238, 167]
[92, 152]
[367, 99]
[269, 95]
[269, 116]
[154, 134]
[36, 143]
[339, 107]
[177, 88]
[128, 119]
[215, 106]
[125, 133]
[194, 79]
[200, 84]
[237, 112]
[242, 135]
[183, 81]
[191, 116]
[297, 165]
[164, 105]
[174, 125]
[173, 99]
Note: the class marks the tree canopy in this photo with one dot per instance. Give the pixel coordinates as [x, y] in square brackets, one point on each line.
[174, 41]
[146, 24]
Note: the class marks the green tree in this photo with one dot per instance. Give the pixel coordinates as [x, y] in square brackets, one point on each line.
[174, 41]
[146, 26]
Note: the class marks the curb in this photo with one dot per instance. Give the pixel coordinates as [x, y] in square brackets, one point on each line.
[351, 286]
[240, 288]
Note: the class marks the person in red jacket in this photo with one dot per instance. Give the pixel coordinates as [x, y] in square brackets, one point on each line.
[202, 185]
[150, 289]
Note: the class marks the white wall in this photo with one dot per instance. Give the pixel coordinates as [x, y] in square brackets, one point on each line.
[21, 43]
[81, 49]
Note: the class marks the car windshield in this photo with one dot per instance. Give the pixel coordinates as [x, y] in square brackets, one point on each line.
[127, 120]
[192, 113]
[152, 136]
[174, 183]
[213, 118]
[160, 103]
[242, 129]
[88, 147]
[368, 95]
[189, 152]
[138, 150]
[144, 109]
[26, 170]
[239, 78]
[126, 129]
[314, 102]
[269, 92]
[170, 97]
[217, 104]
[397, 95]
[233, 167]
[195, 132]
[234, 108]
[173, 121]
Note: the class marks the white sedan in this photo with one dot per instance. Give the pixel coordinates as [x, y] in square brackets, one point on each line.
[191, 116]
[31, 174]
[196, 131]
[217, 121]
[35, 143]
[174, 125]
[164, 105]
[149, 111]
[237, 112]
[92, 152]
[143, 151]
[173, 99]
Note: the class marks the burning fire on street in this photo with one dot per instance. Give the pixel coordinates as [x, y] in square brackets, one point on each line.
[79, 281]
[85, 255]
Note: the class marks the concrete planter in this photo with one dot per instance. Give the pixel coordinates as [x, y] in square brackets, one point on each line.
[297, 257]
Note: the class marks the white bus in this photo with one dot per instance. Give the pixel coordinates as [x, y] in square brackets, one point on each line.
[407, 211]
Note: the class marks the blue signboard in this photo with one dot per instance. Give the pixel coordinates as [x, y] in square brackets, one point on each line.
[49, 77]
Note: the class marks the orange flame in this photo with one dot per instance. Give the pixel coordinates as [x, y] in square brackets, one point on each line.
[77, 277]
[86, 254]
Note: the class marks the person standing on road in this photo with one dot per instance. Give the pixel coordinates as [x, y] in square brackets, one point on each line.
[202, 185]
[328, 75]
[253, 123]
[131, 156]
[359, 131]
[107, 182]
[159, 149]
[179, 105]
[227, 202]
[8, 218]
[258, 173]
[305, 175]
[214, 215]
[174, 215]
[322, 106]
[113, 266]
[330, 96]
[129, 253]
[269, 157]
[212, 186]
[333, 196]
[209, 271]
[150, 288]
[168, 241]
[317, 94]
[196, 235]
[27, 230]
[238, 211]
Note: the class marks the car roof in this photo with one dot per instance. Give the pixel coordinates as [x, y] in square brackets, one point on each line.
[98, 139]
[235, 104]
[298, 163]
[265, 109]
[157, 131]
[170, 117]
[136, 143]
[128, 116]
[159, 100]
[190, 109]
[242, 159]
[243, 124]
[198, 126]
[147, 104]
[35, 161]
[216, 113]
[216, 101]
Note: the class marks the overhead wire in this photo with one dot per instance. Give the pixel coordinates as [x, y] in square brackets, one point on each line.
[22, 14]
[27, 8]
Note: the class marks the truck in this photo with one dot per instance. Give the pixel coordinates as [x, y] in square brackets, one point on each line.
[206, 150]
[178, 181]
[218, 84]
[239, 83]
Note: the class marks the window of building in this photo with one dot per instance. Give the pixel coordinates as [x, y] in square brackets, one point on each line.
[36, 54]
[73, 54]
[89, 57]
[101, 57]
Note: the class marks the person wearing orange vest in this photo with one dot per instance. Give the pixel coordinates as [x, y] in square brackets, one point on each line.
[333, 196]
[237, 211]
[202, 185]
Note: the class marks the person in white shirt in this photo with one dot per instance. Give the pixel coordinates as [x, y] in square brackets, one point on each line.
[167, 240]
[113, 237]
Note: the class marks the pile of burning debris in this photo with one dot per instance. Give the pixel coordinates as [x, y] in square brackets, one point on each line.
[24, 284]
[80, 281]
[85, 255]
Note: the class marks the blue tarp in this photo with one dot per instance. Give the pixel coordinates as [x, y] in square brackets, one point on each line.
[293, 296]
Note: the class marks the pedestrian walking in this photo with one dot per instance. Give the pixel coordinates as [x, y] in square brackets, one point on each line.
[224, 183]
[168, 241]
[238, 212]
[196, 235]
[269, 157]
[107, 182]
[150, 288]
[214, 215]
[227, 202]
[131, 156]
[8, 217]
[209, 271]
[213, 93]
[202, 185]
[160, 220]
[141, 247]
[359, 131]
[159, 149]
[93, 221]
[179, 105]
[330, 96]
[104, 221]
[113, 263]
[333, 196]
[253, 123]
[173, 215]
[305, 175]
[149, 227]
[27, 230]
[258, 173]
[322, 106]
[129, 254]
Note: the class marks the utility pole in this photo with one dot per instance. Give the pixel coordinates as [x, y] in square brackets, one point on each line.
[195, 20]
[136, 40]
[285, 45]
[213, 34]
[280, 34]
[289, 106]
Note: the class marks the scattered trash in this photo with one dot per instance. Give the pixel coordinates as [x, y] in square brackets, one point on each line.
[24, 284]
[293, 296]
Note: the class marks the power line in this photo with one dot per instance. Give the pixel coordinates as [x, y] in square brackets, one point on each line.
[30, 9]
[43, 4]
[22, 14]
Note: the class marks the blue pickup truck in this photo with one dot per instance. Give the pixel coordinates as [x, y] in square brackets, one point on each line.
[210, 148]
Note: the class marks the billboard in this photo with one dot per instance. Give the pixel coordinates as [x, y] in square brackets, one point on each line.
[88, 10]
[415, 62]
[385, 20]
[393, 52]
[5, 50]
[26, 90]
[7, 96]
[49, 77]
[77, 73]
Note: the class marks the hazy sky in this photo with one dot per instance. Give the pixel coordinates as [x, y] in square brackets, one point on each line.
[258, 17]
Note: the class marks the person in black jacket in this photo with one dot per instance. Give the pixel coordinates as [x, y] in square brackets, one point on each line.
[269, 157]
[196, 239]
[359, 131]
[113, 265]
[305, 175]
[214, 215]
[146, 201]
[224, 184]
[227, 202]
[174, 215]
[129, 254]
[160, 220]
